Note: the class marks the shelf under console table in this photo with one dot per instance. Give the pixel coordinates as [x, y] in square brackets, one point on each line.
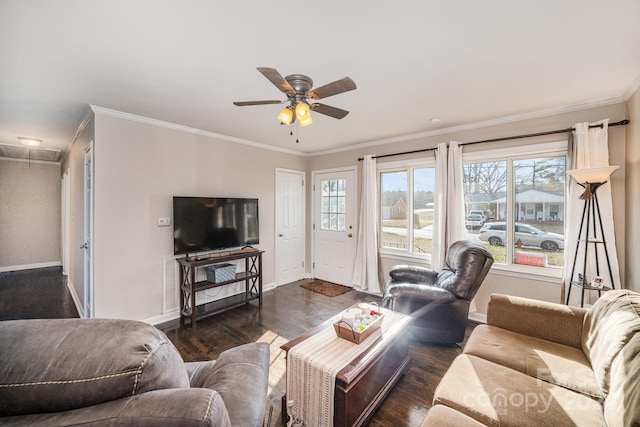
[189, 285]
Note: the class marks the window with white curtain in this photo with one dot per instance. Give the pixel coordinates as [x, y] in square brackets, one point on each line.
[514, 204]
[519, 194]
[406, 207]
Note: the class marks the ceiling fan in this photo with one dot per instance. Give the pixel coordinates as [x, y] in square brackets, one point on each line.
[299, 90]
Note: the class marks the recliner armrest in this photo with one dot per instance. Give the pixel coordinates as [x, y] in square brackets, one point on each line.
[413, 274]
[540, 319]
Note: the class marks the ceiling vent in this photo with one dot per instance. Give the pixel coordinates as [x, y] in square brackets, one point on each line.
[29, 153]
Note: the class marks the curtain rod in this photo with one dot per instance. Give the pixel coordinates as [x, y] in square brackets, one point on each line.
[506, 138]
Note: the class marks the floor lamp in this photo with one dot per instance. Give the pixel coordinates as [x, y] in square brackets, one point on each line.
[591, 232]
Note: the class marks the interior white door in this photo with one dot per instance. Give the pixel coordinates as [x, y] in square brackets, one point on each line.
[290, 226]
[334, 225]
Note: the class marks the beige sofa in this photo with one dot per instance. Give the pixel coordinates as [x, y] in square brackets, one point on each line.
[539, 363]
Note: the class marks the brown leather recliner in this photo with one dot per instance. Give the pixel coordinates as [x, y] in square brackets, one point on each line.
[103, 372]
[439, 301]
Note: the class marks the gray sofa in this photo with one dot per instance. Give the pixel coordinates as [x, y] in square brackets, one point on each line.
[117, 372]
[539, 363]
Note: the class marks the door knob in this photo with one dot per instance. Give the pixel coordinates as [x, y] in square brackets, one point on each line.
[349, 235]
[280, 235]
[84, 246]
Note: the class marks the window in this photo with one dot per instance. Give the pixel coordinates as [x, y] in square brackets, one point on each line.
[407, 208]
[523, 196]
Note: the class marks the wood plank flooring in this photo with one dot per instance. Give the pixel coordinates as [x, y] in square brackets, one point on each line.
[287, 312]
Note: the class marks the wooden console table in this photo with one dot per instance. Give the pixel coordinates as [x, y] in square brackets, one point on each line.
[189, 286]
[362, 385]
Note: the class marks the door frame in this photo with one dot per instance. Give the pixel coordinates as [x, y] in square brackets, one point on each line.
[356, 214]
[88, 230]
[303, 176]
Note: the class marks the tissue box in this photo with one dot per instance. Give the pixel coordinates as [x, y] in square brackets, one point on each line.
[218, 273]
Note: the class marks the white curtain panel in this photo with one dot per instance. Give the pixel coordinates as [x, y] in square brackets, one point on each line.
[365, 273]
[440, 218]
[456, 229]
[449, 202]
[590, 150]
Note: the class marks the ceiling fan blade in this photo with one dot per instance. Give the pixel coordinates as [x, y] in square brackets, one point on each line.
[276, 78]
[336, 113]
[245, 103]
[345, 84]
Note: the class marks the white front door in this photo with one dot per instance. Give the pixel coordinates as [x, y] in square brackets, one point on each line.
[334, 225]
[290, 226]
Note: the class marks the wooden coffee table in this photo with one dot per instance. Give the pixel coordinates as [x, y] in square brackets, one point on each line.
[363, 384]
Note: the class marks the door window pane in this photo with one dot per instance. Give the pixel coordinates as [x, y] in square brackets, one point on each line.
[333, 204]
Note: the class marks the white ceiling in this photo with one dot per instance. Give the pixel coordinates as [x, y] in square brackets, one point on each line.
[185, 62]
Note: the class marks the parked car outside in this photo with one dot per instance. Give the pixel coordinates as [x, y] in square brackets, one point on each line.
[479, 212]
[495, 234]
[474, 221]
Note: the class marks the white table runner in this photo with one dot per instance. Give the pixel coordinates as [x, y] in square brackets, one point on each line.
[312, 367]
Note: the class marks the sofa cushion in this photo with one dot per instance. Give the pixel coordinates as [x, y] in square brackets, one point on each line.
[608, 325]
[496, 395]
[184, 407]
[62, 364]
[558, 364]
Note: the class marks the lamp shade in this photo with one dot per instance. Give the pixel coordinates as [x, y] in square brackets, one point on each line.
[286, 116]
[592, 175]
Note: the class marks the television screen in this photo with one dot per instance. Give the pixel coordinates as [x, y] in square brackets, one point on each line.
[211, 223]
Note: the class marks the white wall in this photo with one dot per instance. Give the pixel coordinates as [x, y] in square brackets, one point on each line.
[29, 214]
[139, 167]
[498, 282]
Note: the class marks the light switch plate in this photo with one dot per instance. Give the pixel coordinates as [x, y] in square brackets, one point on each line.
[164, 222]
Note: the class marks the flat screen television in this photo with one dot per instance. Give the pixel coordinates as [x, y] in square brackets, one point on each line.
[213, 223]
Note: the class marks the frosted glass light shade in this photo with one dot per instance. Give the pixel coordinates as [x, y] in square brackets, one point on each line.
[592, 175]
[306, 122]
[286, 116]
[31, 142]
[302, 111]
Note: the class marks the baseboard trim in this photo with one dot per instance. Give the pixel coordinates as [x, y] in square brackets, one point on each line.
[30, 266]
[478, 317]
[76, 300]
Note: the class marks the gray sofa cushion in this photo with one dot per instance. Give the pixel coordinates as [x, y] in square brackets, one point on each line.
[65, 365]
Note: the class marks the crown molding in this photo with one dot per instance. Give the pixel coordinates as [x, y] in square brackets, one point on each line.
[476, 125]
[168, 125]
[633, 88]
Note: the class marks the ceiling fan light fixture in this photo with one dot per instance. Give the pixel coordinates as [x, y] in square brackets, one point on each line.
[286, 115]
[30, 142]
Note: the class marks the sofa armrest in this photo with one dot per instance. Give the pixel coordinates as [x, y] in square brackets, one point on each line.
[413, 274]
[241, 376]
[540, 319]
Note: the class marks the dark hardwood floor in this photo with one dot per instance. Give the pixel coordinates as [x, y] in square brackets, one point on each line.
[35, 294]
[287, 312]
